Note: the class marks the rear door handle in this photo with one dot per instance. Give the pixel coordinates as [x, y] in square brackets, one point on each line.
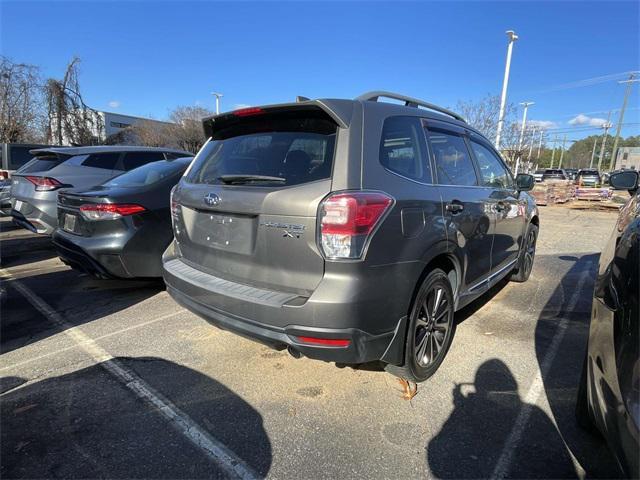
[454, 207]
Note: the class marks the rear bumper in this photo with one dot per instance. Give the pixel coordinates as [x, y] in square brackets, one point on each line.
[105, 264]
[279, 319]
[38, 218]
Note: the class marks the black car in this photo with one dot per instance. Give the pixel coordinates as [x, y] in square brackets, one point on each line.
[120, 228]
[554, 174]
[609, 392]
[347, 230]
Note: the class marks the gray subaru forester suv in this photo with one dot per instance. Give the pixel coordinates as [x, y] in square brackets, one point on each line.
[347, 230]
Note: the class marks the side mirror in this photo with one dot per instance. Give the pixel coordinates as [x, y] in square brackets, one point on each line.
[525, 182]
[625, 180]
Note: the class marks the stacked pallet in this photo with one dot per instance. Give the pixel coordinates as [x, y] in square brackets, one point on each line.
[593, 194]
[553, 191]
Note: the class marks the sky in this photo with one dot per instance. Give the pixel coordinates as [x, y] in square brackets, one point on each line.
[145, 58]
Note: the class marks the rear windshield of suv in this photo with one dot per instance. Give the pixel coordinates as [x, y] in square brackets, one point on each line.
[149, 174]
[280, 152]
[588, 172]
[42, 164]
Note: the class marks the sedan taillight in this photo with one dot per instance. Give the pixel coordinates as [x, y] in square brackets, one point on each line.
[109, 211]
[348, 220]
[45, 184]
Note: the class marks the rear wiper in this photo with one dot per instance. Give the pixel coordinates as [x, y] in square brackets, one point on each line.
[230, 179]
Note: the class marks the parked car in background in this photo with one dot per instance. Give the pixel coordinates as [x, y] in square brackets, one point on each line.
[588, 178]
[15, 155]
[571, 173]
[5, 197]
[35, 185]
[537, 175]
[120, 228]
[554, 174]
[347, 230]
[609, 391]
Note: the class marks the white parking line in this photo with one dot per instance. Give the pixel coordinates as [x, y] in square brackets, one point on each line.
[228, 461]
[101, 337]
[536, 389]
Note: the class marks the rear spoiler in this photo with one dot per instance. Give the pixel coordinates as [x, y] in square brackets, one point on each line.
[339, 111]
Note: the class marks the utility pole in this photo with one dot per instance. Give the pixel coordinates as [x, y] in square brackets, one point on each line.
[218, 97]
[553, 152]
[593, 152]
[533, 134]
[539, 149]
[564, 140]
[627, 92]
[505, 82]
[524, 125]
[606, 127]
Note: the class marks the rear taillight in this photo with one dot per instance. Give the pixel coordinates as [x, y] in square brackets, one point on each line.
[109, 211]
[46, 184]
[175, 206]
[348, 220]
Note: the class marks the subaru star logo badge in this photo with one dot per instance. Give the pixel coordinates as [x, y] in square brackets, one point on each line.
[212, 199]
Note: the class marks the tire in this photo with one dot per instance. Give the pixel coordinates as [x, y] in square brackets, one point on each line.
[425, 329]
[583, 414]
[527, 255]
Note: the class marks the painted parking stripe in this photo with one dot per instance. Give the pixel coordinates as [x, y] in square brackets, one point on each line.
[536, 389]
[101, 337]
[228, 461]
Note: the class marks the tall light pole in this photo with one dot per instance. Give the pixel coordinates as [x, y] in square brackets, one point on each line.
[593, 152]
[522, 128]
[627, 92]
[539, 146]
[505, 82]
[218, 97]
[533, 134]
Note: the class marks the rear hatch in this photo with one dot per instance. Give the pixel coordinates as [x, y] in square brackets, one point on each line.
[246, 209]
[21, 186]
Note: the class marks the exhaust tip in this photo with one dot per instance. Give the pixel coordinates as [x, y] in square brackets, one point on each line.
[293, 352]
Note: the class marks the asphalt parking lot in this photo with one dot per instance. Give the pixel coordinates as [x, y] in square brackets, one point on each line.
[113, 379]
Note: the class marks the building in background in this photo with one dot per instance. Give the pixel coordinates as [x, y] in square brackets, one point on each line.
[115, 122]
[628, 158]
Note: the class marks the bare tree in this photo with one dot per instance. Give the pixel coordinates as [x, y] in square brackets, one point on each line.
[483, 115]
[187, 127]
[20, 102]
[70, 120]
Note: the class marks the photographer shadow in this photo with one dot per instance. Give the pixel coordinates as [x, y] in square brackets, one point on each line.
[473, 442]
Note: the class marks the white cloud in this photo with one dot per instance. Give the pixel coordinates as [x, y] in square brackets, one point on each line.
[114, 104]
[582, 119]
[543, 124]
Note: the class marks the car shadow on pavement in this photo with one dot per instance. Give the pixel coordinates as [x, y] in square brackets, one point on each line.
[472, 442]
[88, 424]
[562, 378]
[78, 298]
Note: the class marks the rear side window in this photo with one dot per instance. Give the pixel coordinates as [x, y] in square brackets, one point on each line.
[293, 151]
[452, 159]
[137, 159]
[492, 171]
[107, 161]
[403, 148]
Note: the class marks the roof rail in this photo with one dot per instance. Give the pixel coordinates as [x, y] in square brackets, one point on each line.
[408, 101]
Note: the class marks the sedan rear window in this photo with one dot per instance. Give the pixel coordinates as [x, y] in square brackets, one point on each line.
[149, 174]
[272, 156]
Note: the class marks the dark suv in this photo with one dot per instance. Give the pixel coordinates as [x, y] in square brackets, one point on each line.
[347, 230]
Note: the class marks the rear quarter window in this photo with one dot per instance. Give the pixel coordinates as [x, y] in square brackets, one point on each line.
[106, 161]
[403, 148]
